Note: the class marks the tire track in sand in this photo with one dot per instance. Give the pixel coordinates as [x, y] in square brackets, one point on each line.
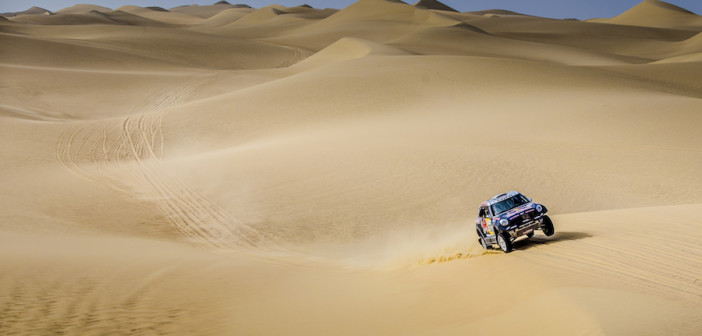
[297, 55]
[128, 158]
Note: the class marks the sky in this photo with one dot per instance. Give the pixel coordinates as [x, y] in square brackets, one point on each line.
[559, 9]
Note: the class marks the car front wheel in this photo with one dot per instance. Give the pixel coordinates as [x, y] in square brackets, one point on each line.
[504, 242]
[548, 227]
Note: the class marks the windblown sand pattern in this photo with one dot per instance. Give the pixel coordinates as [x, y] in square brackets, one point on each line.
[229, 170]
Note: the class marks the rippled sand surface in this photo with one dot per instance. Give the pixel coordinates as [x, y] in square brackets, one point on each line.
[225, 170]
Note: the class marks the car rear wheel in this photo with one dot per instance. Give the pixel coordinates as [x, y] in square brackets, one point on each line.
[547, 227]
[481, 239]
[482, 243]
[504, 241]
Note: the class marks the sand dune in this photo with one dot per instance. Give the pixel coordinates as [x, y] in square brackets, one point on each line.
[88, 18]
[691, 45]
[260, 15]
[160, 15]
[474, 41]
[219, 170]
[337, 149]
[206, 12]
[113, 48]
[277, 15]
[226, 17]
[656, 13]
[496, 13]
[83, 8]
[131, 19]
[433, 4]
[88, 15]
[33, 51]
[32, 11]
[381, 10]
[637, 44]
[390, 20]
[344, 50]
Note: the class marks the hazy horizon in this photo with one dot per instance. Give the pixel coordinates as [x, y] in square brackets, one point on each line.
[543, 8]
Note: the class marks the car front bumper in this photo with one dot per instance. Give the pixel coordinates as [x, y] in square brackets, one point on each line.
[526, 227]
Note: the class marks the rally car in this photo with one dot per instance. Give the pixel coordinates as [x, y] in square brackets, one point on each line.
[506, 217]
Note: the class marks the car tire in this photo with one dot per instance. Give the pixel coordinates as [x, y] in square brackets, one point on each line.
[481, 239]
[504, 241]
[482, 243]
[547, 227]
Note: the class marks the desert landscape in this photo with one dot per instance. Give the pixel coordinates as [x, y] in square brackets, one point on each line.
[229, 170]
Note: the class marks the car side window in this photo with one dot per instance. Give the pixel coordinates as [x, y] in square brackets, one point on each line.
[483, 212]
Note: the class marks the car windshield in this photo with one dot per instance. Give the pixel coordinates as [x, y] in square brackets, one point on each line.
[509, 203]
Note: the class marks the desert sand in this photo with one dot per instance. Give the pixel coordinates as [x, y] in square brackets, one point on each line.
[228, 170]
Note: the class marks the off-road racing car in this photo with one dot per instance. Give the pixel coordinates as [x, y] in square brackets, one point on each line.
[506, 217]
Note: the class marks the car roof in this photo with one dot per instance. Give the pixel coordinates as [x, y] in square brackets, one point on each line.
[500, 198]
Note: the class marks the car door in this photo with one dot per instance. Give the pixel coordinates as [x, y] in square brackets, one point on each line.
[485, 220]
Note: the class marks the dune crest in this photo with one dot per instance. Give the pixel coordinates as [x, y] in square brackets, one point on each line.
[224, 170]
[346, 49]
[394, 10]
[665, 6]
[226, 16]
[31, 11]
[433, 4]
[659, 14]
[161, 16]
[90, 17]
[260, 15]
[205, 11]
[83, 8]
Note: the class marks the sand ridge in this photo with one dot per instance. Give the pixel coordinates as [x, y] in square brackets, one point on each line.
[660, 14]
[222, 169]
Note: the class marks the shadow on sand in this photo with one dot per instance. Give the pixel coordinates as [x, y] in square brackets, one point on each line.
[540, 239]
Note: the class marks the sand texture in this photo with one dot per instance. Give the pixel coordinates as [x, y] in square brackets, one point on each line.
[228, 170]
